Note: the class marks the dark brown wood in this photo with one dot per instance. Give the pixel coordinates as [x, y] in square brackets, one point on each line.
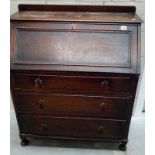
[74, 105]
[31, 50]
[75, 83]
[73, 127]
[106, 18]
[61, 13]
[74, 71]
[119, 58]
[76, 8]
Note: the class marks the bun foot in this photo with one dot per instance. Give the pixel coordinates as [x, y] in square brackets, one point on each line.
[122, 146]
[24, 142]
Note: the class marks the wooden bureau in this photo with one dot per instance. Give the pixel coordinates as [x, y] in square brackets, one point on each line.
[74, 71]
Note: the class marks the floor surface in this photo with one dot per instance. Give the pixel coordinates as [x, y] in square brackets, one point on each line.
[135, 146]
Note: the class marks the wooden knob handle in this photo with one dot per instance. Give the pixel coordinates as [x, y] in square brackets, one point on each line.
[38, 81]
[44, 127]
[102, 105]
[105, 83]
[40, 104]
[100, 129]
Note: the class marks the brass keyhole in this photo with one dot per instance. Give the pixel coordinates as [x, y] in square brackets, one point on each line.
[73, 26]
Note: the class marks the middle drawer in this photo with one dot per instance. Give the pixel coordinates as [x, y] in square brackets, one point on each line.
[62, 104]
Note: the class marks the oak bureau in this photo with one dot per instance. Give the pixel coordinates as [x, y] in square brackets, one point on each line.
[74, 71]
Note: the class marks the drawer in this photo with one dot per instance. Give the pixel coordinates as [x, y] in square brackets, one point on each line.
[74, 83]
[80, 105]
[73, 127]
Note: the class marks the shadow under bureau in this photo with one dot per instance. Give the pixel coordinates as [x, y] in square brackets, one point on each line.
[74, 71]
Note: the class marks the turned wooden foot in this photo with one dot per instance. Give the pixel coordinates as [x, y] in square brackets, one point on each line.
[24, 142]
[122, 146]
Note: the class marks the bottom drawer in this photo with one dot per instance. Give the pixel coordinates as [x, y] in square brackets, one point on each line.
[73, 127]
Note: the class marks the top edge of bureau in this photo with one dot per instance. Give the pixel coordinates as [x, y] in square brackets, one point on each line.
[107, 14]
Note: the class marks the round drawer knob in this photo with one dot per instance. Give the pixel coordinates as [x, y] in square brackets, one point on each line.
[100, 129]
[40, 104]
[38, 81]
[105, 83]
[102, 105]
[44, 127]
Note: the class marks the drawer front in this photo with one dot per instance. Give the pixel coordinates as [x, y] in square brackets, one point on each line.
[74, 83]
[73, 127]
[60, 104]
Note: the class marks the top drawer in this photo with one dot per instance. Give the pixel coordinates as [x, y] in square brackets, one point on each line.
[74, 83]
[109, 48]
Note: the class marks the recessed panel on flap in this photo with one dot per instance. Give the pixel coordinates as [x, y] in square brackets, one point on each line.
[82, 47]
